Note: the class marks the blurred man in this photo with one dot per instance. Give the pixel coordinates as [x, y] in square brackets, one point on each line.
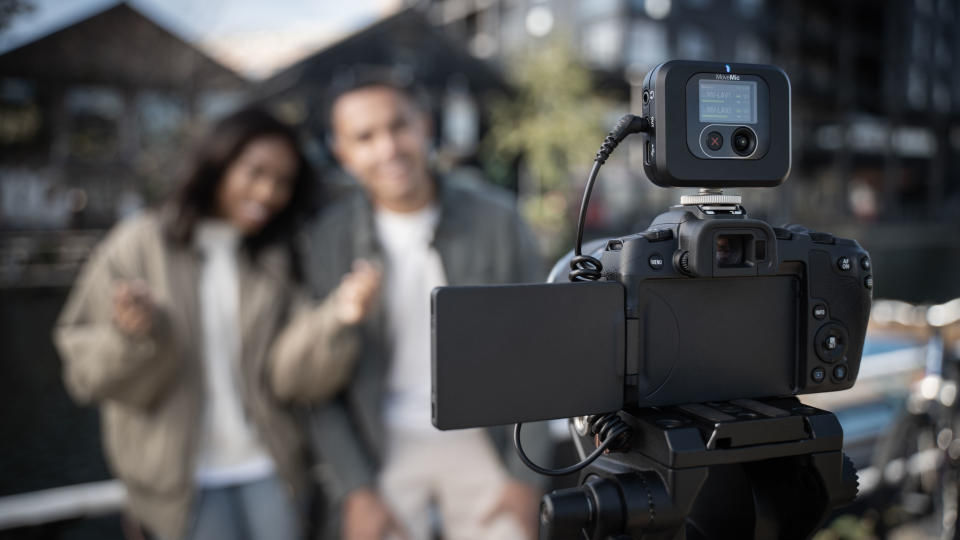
[394, 469]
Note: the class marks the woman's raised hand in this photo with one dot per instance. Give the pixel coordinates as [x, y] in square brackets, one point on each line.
[357, 292]
[133, 307]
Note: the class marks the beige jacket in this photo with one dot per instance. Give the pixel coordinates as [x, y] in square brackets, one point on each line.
[151, 388]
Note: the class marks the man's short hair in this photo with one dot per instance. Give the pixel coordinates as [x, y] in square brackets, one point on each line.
[368, 76]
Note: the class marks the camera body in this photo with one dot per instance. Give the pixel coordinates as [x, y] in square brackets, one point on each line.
[678, 349]
[719, 306]
[705, 305]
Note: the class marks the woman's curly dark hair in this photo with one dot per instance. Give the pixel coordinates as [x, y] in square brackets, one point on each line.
[195, 198]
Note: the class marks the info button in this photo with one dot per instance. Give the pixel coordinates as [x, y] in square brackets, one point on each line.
[713, 140]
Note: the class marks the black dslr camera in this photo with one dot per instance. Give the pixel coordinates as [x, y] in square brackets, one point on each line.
[678, 347]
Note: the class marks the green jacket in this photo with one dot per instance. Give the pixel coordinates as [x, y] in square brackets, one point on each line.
[481, 240]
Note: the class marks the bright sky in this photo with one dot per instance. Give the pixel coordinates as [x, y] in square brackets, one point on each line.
[253, 37]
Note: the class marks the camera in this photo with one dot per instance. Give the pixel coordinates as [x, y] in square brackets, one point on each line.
[677, 349]
[705, 305]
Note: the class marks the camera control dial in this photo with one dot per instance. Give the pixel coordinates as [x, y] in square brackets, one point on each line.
[831, 342]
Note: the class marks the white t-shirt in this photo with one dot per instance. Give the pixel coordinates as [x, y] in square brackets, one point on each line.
[413, 269]
[230, 451]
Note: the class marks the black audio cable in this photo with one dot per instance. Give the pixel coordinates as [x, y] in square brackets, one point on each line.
[610, 430]
[584, 267]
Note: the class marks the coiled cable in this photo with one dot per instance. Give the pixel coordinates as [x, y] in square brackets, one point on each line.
[611, 431]
[608, 428]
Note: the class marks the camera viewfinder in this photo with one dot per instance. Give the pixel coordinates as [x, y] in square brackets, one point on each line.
[730, 250]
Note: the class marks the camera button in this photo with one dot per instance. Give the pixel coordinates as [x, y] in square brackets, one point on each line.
[830, 343]
[868, 282]
[840, 372]
[656, 261]
[818, 374]
[844, 264]
[865, 263]
[713, 140]
[820, 312]
[822, 238]
[782, 234]
[658, 235]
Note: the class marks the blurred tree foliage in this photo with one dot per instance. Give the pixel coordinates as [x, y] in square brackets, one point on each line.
[553, 123]
[850, 527]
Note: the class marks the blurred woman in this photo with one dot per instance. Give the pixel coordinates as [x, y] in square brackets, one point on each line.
[188, 328]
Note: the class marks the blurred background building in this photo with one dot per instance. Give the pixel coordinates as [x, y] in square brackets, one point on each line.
[95, 115]
[876, 102]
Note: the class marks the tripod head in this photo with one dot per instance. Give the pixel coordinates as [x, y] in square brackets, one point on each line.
[762, 469]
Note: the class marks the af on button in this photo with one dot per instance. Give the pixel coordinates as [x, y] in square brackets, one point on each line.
[713, 140]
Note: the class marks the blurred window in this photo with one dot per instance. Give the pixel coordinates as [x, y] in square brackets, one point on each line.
[20, 117]
[460, 118]
[956, 88]
[941, 97]
[944, 58]
[921, 39]
[648, 44]
[513, 32]
[914, 142]
[161, 117]
[217, 103]
[822, 76]
[829, 138]
[946, 9]
[602, 42]
[16, 91]
[590, 9]
[749, 8]
[917, 88]
[749, 49]
[94, 115]
[484, 45]
[868, 135]
[694, 44]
